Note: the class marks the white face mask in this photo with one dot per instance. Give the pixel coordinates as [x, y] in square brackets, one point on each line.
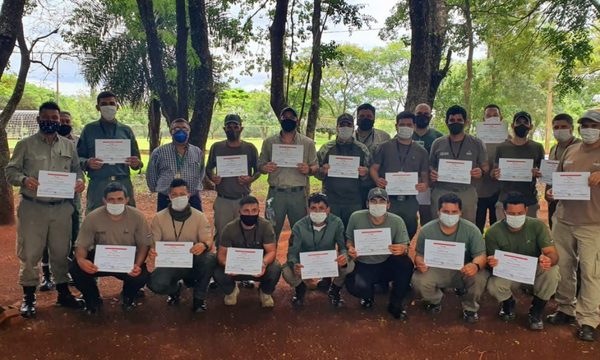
[589, 135]
[495, 119]
[345, 133]
[449, 220]
[108, 112]
[179, 203]
[317, 217]
[562, 134]
[115, 209]
[377, 210]
[404, 132]
[515, 221]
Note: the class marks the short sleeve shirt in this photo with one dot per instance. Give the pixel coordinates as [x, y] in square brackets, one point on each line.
[529, 240]
[235, 236]
[466, 233]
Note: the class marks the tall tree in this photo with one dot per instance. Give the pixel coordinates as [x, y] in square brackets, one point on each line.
[317, 70]
[277, 45]
[10, 23]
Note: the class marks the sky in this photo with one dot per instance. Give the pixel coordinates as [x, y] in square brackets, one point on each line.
[71, 81]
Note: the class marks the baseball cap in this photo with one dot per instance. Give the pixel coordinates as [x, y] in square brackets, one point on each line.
[290, 109]
[378, 192]
[593, 115]
[522, 114]
[345, 118]
[233, 118]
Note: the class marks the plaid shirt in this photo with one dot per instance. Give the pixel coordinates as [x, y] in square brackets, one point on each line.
[163, 168]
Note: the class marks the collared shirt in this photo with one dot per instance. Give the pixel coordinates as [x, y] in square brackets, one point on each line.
[34, 153]
[306, 238]
[466, 233]
[288, 177]
[165, 164]
[194, 229]
[373, 139]
[470, 148]
[529, 240]
[97, 130]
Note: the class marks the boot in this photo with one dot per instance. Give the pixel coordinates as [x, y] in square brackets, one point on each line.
[46, 284]
[535, 313]
[298, 299]
[66, 299]
[28, 305]
[334, 295]
[507, 311]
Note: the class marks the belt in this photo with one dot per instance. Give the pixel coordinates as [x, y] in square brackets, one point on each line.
[49, 203]
[228, 197]
[287, 190]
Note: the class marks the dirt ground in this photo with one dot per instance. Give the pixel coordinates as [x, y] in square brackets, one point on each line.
[157, 331]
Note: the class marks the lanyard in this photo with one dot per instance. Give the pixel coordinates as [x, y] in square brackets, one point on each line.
[244, 234]
[180, 229]
[455, 156]
[371, 134]
[403, 159]
[180, 159]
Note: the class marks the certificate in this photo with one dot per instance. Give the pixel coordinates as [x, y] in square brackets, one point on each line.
[402, 183]
[515, 267]
[547, 168]
[455, 171]
[492, 132]
[571, 186]
[56, 184]
[343, 166]
[319, 264]
[289, 156]
[113, 151]
[174, 254]
[424, 198]
[242, 261]
[518, 170]
[114, 258]
[232, 166]
[373, 241]
[444, 254]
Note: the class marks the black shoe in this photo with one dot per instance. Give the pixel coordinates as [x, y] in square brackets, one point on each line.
[174, 298]
[28, 306]
[433, 308]
[93, 306]
[247, 284]
[397, 312]
[141, 293]
[460, 291]
[535, 321]
[69, 301]
[560, 318]
[128, 304]
[470, 317]
[586, 333]
[507, 310]
[298, 298]
[367, 303]
[199, 306]
[46, 284]
[334, 295]
[324, 284]
[213, 284]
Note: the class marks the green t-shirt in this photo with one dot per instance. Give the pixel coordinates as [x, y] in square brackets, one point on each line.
[427, 139]
[530, 150]
[466, 233]
[529, 240]
[305, 238]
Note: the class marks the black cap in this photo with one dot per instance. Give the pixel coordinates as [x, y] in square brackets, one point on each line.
[345, 118]
[522, 114]
[290, 109]
[233, 118]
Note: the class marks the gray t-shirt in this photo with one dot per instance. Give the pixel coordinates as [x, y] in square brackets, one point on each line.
[230, 186]
[470, 148]
[466, 233]
[393, 157]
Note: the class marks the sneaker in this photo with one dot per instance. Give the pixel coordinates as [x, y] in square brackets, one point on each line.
[128, 304]
[397, 312]
[70, 301]
[367, 303]
[300, 292]
[535, 322]
[174, 298]
[266, 300]
[199, 305]
[507, 310]
[335, 298]
[47, 284]
[28, 306]
[586, 333]
[460, 291]
[433, 308]
[213, 284]
[324, 284]
[247, 284]
[560, 318]
[470, 317]
[231, 299]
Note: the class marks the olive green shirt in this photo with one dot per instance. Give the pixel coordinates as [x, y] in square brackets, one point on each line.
[529, 240]
[305, 238]
[469, 149]
[466, 233]
[373, 139]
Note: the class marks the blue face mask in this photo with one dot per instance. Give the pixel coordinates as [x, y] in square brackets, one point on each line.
[180, 136]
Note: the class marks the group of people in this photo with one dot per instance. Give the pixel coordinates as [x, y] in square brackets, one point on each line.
[348, 206]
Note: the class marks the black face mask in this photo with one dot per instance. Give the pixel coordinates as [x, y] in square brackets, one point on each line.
[422, 121]
[521, 131]
[288, 125]
[232, 135]
[65, 130]
[49, 126]
[456, 128]
[365, 124]
[249, 220]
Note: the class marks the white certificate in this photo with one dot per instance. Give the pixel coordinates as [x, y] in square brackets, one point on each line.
[402, 183]
[373, 241]
[444, 254]
[242, 261]
[114, 258]
[455, 171]
[571, 186]
[547, 168]
[289, 156]
[174, 254]
[518, 170]
[515, 267]
[113, 151]
[56, 184]
[424, 198]
[343, 166]
[492, 132]
[319, 264]
[232, 166]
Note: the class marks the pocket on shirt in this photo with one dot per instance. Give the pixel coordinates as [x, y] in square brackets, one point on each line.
[66, 160]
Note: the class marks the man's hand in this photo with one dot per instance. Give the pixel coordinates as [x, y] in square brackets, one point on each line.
[397, 249]
[198, 248]
[79, 186]
[476, 173]
[325, 169]
[594, 179]
[469, 270]
[381, 182]
[87, 266]
[545, 262]
[216, 179]
[342, 260]
[269, 167]
[492, 261]
[421, 266]
[433, 175]
[136, 271]
[298, 269]
[362, 171]
[421, 187]
[303, 168]
[245, 180]
[152, 254]
[495, 173]
[352, 252]
[94, 163]
[549, 195]
[133, 162]
[31, 183]
[536, 173]
[262, 272]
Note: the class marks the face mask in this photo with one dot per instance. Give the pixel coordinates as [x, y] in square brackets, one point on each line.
[589, 135]
[317, 217]
[377, 210]
[180, 136]
[288, 125]
[494, 119]
[456, 128]
[521, 131]
[515, 221]
[422, 121]
[232, 135]
[562, 135]
[49, 126]
[115, 209]
[249, 220]
[345, 133]
[65, 130]
[404, 132]
[108, 112]
[365, 124]
[179, 203]
[449, 220]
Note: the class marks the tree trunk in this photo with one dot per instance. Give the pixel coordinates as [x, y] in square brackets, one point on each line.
[315, 86]
[10, 23]
[204, 89]
[7, 210]
[181, 60]
[277, 40]
[428, 21]
[467, 85]
[154, 118]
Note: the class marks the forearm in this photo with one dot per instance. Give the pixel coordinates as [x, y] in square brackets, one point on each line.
[141, 254]
[80, 253]
[269, 257]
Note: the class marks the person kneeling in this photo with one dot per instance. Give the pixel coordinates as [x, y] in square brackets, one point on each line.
[182, 223]
[248, 232]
